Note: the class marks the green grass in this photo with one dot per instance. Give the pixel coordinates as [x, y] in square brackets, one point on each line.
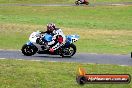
[91, 40]
[55, 1]
[31, 74]
[101, 29]
[75, 17]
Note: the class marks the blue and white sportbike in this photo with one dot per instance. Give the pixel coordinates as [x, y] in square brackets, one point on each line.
[32, 46]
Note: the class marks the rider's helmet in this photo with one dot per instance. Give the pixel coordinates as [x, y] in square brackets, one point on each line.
[50, 27]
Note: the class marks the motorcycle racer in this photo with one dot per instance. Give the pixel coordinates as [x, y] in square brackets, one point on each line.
[83, 1]
[58, 38]
[78, 2]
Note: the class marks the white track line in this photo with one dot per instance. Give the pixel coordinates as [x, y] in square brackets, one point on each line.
[117, 4]
[2, 58]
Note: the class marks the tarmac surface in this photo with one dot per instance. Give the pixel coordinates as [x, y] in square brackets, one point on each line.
[114, 59]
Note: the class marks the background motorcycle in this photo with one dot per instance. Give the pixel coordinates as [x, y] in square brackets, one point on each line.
[31, 47]
[78, 2]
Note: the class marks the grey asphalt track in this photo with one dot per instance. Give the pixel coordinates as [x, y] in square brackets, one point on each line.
[91, 4]
[79, 57]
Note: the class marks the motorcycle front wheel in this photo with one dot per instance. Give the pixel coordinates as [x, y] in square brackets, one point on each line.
[69, 51]
[28, 50]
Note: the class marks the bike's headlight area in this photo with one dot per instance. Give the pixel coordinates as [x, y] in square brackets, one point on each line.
[37, 35]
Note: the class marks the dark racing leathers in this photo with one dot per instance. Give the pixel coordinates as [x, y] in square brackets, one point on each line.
[83, 1]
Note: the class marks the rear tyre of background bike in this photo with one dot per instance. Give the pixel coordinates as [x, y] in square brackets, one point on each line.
[76, 2]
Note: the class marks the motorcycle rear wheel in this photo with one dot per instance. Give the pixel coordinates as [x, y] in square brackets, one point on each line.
[28, 50]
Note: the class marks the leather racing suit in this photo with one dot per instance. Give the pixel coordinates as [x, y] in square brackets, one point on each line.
[58, 39]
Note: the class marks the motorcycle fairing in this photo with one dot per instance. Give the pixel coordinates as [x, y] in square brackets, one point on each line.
[47, 37]
[72, 38]
[29, 43]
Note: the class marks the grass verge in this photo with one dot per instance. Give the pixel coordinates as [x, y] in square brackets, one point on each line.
[91, 40]
[116, 17]
[31, 74]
